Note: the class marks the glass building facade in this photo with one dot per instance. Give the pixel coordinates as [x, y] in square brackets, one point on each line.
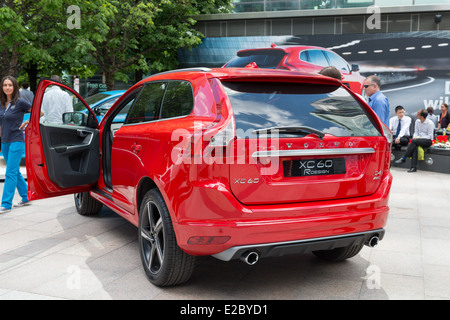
[276, 5]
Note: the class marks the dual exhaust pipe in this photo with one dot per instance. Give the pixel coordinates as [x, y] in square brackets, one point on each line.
[251, 257]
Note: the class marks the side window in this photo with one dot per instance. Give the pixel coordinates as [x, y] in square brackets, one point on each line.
[337, 61]
[316, 57]
[178, 100]
[148, 105]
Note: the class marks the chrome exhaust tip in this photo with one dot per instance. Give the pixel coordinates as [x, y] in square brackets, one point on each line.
[373, 242]
[250, 257]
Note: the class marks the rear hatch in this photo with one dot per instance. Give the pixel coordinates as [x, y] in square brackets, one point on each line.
[298, 142]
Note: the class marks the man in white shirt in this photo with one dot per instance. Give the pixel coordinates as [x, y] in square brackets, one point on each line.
[399, 126]
[423, 137]
[55, 103]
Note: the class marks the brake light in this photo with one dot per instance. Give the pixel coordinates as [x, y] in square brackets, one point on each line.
[387, 134]
[390, 138]
[223, 137]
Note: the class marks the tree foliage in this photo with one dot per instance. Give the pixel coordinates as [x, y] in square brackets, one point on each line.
[118, 37]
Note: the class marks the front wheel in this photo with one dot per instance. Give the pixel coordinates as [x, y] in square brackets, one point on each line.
[165, 264]
[86, 205]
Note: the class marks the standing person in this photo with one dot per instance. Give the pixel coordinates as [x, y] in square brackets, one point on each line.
[399, 125]
[377, 100]
[12, 109]
[432, 116]
[444, 120]
[55, 103]
[423, 137]
[26, 94]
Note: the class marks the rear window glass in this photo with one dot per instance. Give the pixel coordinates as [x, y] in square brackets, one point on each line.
[267, 59]
[329, 109]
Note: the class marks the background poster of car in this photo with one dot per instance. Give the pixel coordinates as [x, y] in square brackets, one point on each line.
[414, 66]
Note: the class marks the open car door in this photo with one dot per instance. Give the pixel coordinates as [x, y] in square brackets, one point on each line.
[62, 147]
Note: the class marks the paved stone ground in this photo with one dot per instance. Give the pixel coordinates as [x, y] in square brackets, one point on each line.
[48, 251]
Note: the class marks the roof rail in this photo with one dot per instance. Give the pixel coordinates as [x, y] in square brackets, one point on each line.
[200, 69]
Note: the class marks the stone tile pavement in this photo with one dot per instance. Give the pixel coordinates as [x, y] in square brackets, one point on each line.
[48, 251]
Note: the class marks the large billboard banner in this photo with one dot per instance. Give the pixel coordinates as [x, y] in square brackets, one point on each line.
[414, 67]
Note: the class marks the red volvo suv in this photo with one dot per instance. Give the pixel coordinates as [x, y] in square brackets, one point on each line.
[300, 58]
[233, 163]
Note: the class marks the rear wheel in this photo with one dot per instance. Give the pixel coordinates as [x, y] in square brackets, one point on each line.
[339, 254]
[164, 262]
[86, 205]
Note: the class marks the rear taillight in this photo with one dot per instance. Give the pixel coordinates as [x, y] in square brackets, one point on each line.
[216, 142]
[222, 137]
[389, 138]
[217, 138]
[387, 134]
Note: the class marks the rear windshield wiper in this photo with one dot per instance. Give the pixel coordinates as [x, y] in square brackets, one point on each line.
[294, 130]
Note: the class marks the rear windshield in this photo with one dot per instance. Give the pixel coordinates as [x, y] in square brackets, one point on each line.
[267, 59]
[328, 109]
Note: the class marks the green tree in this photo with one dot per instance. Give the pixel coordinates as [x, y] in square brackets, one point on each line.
[11, 35]
[120, 37]
[142, 36]
[173, 28]
[35, 39]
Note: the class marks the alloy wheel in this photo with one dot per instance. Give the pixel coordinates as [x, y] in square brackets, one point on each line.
[153, 236]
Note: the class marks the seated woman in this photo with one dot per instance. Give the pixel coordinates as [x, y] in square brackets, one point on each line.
[444, 120]
[423, 137]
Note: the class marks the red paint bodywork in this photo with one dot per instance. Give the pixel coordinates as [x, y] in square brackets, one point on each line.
[203, 199]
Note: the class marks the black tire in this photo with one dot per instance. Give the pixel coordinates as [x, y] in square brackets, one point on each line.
[339, 254]
[165, 264]
[86, 205]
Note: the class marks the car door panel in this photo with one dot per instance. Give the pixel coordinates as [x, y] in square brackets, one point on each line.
[72, 155]
[60, 158]
[126, 162]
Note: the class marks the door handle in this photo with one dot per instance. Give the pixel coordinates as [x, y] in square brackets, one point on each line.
[82, 133]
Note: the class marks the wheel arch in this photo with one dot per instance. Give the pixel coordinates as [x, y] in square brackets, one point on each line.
[145, 185]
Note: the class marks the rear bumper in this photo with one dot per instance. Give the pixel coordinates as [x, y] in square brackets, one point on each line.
[279, 228]
[300, 246]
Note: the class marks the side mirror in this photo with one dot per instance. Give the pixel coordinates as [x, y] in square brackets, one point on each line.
[75, 118]
[355, 67]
